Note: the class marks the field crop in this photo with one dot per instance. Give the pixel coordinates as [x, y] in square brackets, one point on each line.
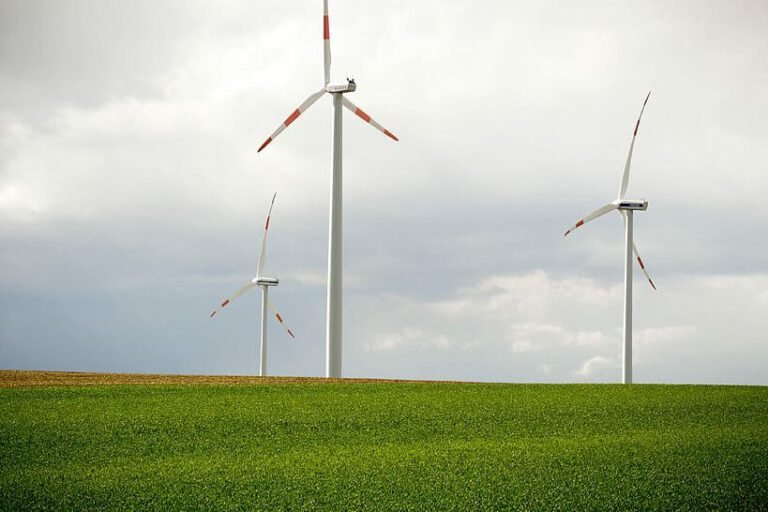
[313, 445]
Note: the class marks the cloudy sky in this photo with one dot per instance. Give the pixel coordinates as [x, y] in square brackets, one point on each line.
[132, 196]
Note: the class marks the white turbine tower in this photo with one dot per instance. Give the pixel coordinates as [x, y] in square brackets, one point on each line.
[264, 283]
[333, 318]
[626, 207]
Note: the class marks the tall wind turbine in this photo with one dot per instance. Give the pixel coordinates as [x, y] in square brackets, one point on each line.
[625, 207]
[333, 318]
[264, 283]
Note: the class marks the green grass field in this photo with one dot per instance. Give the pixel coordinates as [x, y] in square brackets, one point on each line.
[383, 446]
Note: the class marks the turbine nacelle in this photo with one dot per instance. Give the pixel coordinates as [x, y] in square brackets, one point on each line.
[350, 86]
[265, 281]
[631, 204]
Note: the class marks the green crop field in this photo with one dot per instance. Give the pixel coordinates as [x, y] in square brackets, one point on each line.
[383, 446]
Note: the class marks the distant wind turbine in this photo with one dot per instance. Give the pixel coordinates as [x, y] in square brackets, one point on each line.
[626, 207]
[263, 282]
[334, 312]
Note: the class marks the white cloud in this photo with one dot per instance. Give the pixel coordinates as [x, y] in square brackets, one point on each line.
[668, 334]
[523, 345]
[137, 164]
[549, 337]
[596, 364]
[409, 338]
[496, 316]
[20, 202]
[308, 277]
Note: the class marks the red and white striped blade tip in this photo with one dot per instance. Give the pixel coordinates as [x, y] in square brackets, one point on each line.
[265, 144]
[280, 319]
[365, 117]
[223, 305]
[269, 213]
[575, 226]
[642, 267]
[637, 125]
[368, 119]
[311, 99]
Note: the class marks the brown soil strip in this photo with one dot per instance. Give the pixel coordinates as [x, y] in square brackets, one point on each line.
[33, 378]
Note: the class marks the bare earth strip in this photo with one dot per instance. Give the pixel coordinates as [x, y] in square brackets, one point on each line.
[33, 378]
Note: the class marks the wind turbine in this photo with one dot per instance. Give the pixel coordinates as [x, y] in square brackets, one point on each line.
[264, 283]
[625, 207]
[334, 302]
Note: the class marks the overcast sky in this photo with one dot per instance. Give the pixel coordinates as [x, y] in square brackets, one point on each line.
[132, 198]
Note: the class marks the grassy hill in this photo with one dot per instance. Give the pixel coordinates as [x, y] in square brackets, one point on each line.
[218, 444]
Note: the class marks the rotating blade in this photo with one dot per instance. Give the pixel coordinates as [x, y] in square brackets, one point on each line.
[365, 117]
[326, 44]
[637, 255]
[291, 118]
[625, 176]
[279, 318]
[263, 254]
[642, 265]
[595, 214]
[237, 294]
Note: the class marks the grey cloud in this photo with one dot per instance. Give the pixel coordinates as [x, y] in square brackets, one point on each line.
[131, 196]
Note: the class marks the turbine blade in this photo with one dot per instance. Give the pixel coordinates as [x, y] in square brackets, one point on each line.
[291, 118]
[326, 43]
[595, 214]
[625, 176]
[280, 319]
[237, 294]
[642, 265]
[263, 254]
[637, 254]
[365, 117]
